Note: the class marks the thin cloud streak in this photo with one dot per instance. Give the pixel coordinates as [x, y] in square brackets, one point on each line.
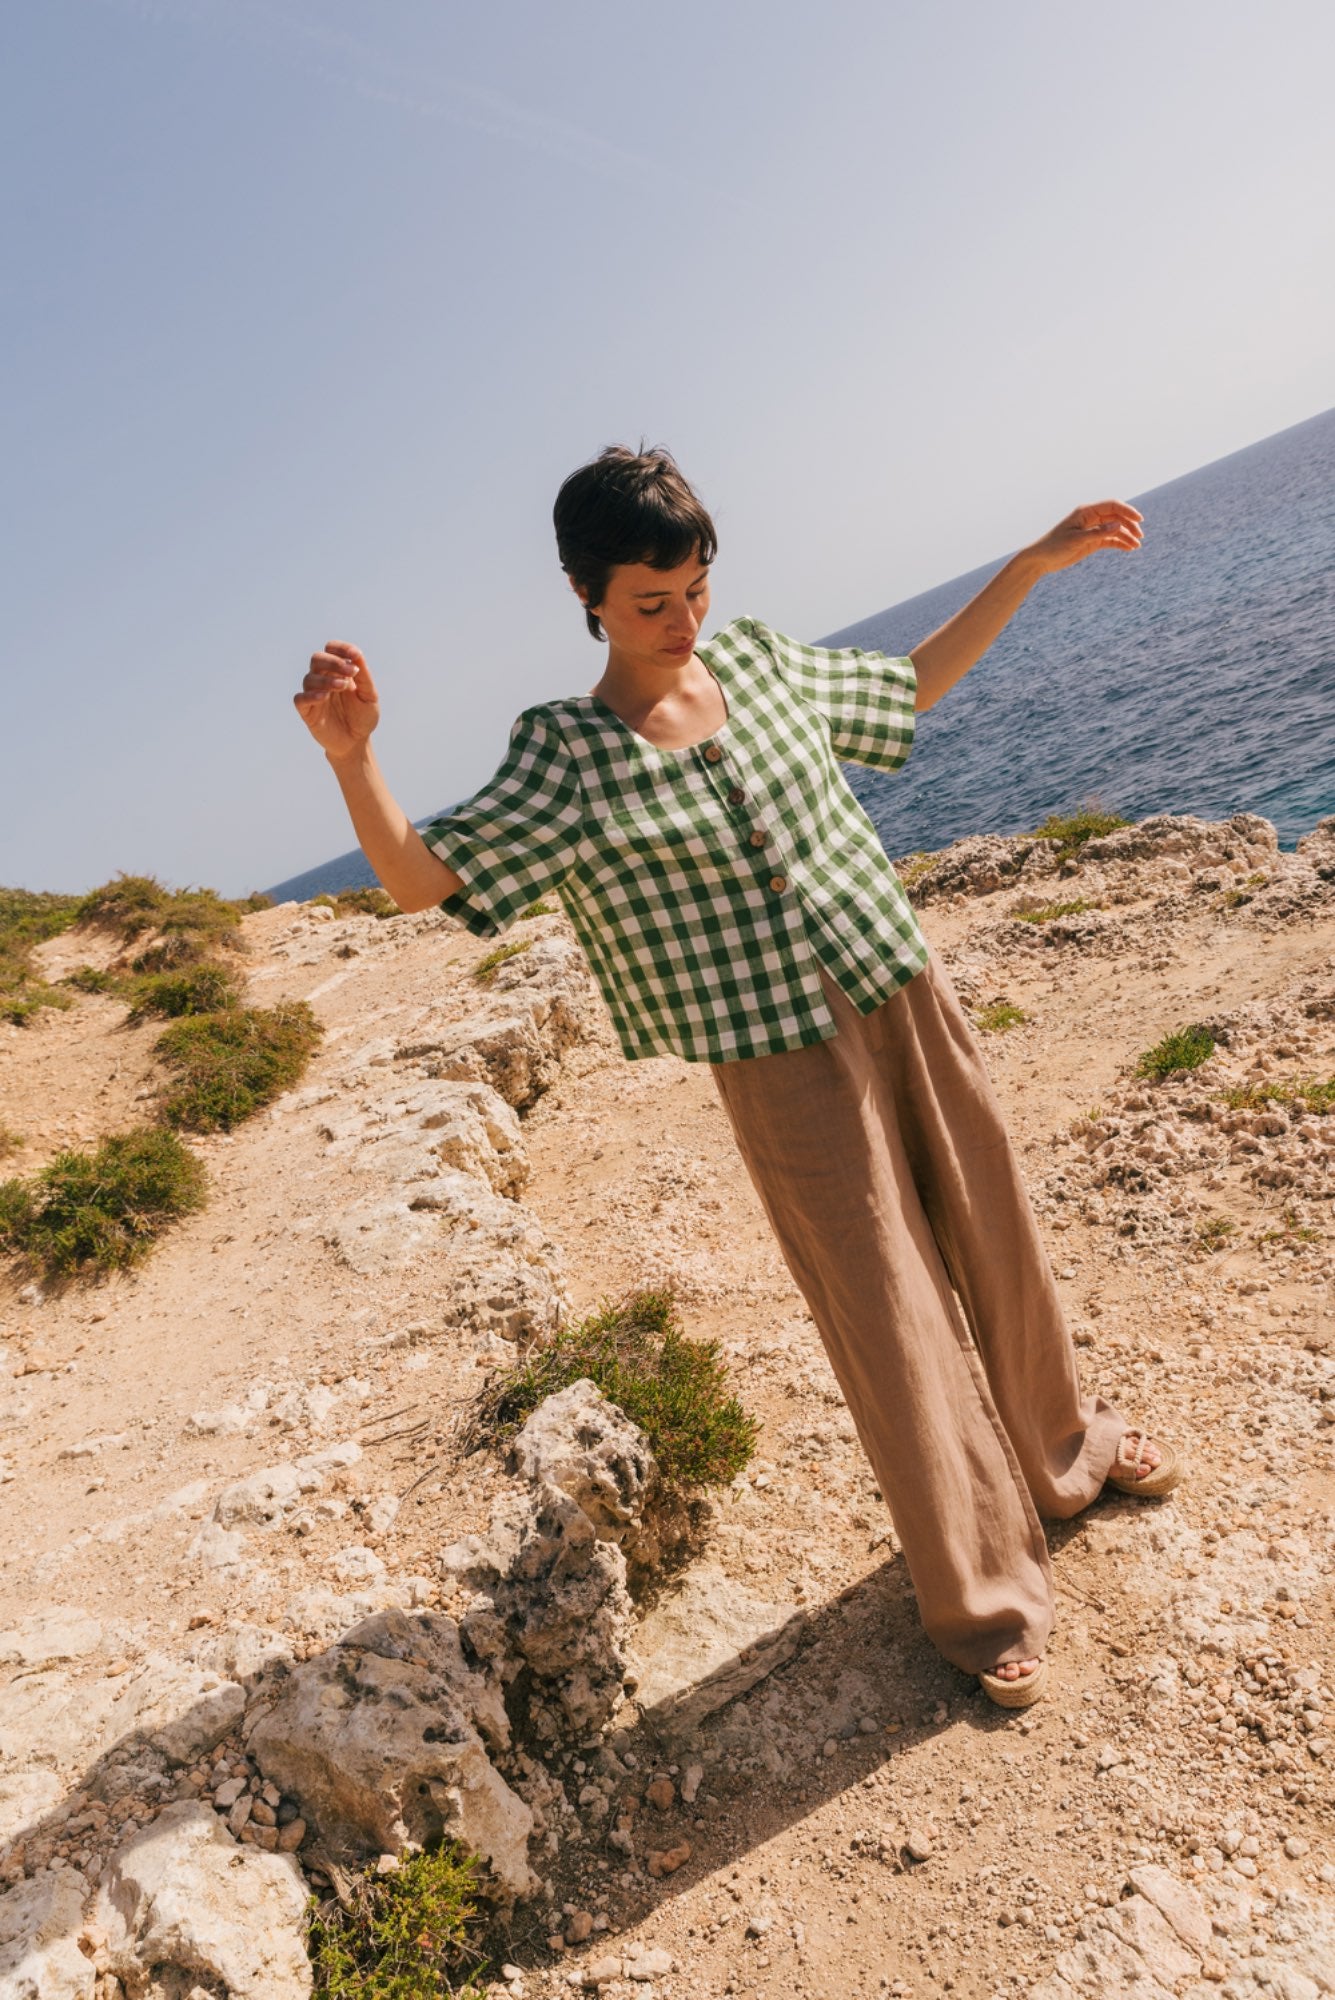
[355, 65]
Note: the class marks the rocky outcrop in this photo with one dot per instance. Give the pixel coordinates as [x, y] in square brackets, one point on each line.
[546, 1585]
[576, 1440]
[181, 1906]
[384, 1739]
[40, 1957]
[704, 1645]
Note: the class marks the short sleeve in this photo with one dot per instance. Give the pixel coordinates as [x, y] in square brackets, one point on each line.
[517, 836]
[866, 697]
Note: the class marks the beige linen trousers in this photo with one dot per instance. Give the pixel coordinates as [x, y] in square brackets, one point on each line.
[885, 1168]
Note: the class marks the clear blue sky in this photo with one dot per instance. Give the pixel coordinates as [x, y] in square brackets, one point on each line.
[310, 307]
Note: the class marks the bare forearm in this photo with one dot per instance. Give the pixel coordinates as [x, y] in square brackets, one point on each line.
[403, 863]
[948, 653]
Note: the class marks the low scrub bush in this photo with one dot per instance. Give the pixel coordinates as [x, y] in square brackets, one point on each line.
[1186, 1048]
[1310, 1093]
[103, 1209]
[360, 902]
[191, 924]
[207, 988]
[1214, 1230]
[1000, 1015]
[675, 1388]
[408, 1935]
[27, 918]
[229, 1064]
[913, 867]
[486, 967]
[1043, 913]
[1070, 831]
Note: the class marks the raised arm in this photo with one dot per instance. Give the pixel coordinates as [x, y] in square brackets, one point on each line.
[948, 653]
[339, 705]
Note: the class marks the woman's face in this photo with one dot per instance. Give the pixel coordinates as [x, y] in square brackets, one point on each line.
[653, 616]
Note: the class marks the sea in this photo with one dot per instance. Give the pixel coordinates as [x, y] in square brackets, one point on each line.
[1195, 676]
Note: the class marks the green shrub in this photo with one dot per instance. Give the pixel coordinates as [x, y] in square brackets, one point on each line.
[408, 1935]
[1000, 1014]
[1070, 831]
[1213, 1230]
[674, 1388]
[913, 867]
[1311, 1093]
[9, 1141]
[193, 924]
[365, 903]
[230, 1063]
[1187, 1048]
[538, 909]
[20, 1008]
[27, 918]
[102, 1209]
[206, 988]
[92, 979]
[1043, 913]
[485, 967]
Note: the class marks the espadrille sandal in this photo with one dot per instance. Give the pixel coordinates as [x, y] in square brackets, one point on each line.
[1017, 1693]
[1166, 1475]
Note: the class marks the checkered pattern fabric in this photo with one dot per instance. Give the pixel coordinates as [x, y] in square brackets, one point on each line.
[707, 885]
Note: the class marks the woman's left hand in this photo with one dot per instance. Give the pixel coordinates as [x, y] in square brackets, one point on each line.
[1107, 524]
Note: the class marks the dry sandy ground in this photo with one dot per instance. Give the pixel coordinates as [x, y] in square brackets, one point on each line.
[1194, 1649]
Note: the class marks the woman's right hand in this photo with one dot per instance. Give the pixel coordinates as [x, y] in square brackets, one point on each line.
[338, 701]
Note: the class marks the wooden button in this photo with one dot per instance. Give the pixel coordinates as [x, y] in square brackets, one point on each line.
[713, 753]
[778, 882]
[757, 838]
[736, 796]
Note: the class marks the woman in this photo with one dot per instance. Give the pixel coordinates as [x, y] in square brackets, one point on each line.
[737, 908]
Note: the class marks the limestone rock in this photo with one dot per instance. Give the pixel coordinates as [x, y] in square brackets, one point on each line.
[410, 1131]
[1139, 1924]
[550, 1596]
[40, 1922]
[49, 1637]
[378, 1739]
[183, 1897]
[1177, 1902]
[580, 1442]
[705, 1645]
[24, 1797]
[1102, 1963]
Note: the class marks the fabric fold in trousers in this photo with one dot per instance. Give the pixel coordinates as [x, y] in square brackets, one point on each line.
[883, 1163]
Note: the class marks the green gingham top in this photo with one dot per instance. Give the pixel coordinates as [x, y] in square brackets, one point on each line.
[707, 884]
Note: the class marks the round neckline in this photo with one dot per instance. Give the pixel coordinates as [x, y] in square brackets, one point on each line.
[674, 749]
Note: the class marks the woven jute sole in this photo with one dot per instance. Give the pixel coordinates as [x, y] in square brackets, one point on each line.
[1018, 1693]
[1167, 1474]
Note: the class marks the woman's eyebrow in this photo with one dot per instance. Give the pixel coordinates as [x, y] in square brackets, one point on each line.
[663, 593]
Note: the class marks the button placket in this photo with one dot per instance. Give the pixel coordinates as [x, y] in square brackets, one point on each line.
[757, 837]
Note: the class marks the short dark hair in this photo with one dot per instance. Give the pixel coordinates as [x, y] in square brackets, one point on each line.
[626, 507]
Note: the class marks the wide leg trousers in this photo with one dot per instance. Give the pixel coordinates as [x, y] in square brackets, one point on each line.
[883, 1163]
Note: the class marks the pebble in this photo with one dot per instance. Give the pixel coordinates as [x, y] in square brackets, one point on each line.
[599, 1970]
[655, 1964]
[579, 1926]
[662, 1793]
[918, 1845]
[666, 1861]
